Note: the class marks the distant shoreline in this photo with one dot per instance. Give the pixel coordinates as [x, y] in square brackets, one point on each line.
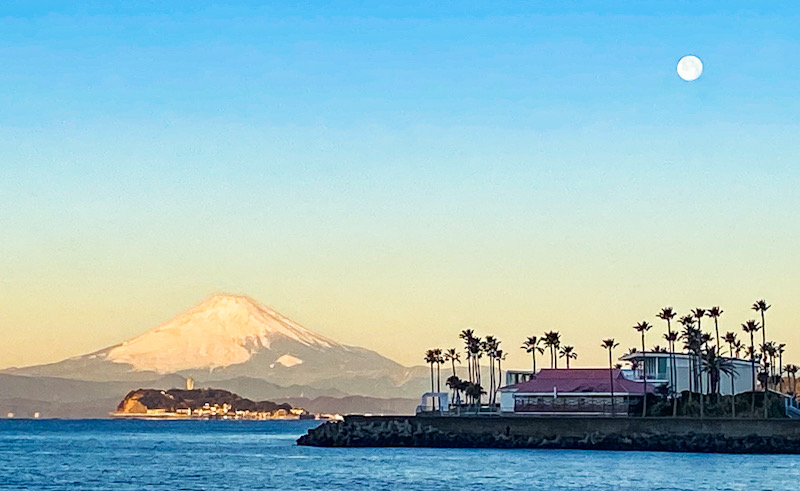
[183, 417]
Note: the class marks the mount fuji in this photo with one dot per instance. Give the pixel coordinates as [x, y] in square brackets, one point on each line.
[237, 343]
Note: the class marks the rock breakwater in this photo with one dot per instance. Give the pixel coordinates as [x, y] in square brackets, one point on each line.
[409, 432]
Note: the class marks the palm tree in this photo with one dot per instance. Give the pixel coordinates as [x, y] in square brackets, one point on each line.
[455, 383]
[698, 314]
[437, 353]
[738, 346]
[452, 356]
[568, 352]
[714, 313]
[468, 335]
[730, 338]
[668, 314]
[751, 327]
[430, 357]
[692, 344]
[780, 349]
[473, 349]
[491, 347]
[474, 392]
[488, 347]
[791, 370]
[671, 337]
[610, 344]
[500, 356]
[477, 354]
[642, 328]
[531, 345]
[714, 365]
[552, 340]
[768, 352]
[761, 306]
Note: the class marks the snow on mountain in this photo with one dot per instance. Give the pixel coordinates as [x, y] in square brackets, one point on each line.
[221, 331]
[288, 361]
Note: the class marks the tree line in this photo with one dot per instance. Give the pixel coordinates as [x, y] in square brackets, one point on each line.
[705, 357]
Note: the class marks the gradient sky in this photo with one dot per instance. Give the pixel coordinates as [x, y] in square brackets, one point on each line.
[390, 175]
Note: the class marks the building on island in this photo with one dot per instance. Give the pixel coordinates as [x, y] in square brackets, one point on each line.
[578, 391]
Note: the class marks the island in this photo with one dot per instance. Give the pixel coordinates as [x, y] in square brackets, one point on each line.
[202, 404]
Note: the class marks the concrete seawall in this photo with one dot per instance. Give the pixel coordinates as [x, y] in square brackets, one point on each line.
[579, 426]
[659, 434]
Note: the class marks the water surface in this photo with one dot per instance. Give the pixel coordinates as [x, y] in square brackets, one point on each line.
[195, 455]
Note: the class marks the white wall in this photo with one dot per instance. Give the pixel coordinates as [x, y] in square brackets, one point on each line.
[742, 378]
[507, 402]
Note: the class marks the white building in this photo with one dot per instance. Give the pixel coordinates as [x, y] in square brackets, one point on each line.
[659, 373]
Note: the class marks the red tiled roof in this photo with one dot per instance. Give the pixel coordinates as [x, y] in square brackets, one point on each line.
[580, 380]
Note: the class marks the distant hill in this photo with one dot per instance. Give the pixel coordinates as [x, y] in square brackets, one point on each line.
[141, 401]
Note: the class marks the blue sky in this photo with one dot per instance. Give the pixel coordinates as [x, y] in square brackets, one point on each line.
[335, 159]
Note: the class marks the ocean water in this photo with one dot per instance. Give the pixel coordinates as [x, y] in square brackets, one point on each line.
[195, 455]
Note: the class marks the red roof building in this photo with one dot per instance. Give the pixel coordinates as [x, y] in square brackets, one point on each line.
[579, 380]
[576, 391]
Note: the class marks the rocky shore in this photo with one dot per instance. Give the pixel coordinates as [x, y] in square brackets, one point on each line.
[410, 432]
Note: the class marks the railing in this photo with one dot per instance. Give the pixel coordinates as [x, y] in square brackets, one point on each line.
[791, 407]
[564, 406]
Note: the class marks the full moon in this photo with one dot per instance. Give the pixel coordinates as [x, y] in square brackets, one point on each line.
[690, 68]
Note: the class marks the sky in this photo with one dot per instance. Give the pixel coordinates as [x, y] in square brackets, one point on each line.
[388, 174]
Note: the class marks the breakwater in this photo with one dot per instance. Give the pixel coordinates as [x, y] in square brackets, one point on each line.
[653, 434]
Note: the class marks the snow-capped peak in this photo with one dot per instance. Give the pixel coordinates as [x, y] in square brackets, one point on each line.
[221, 331]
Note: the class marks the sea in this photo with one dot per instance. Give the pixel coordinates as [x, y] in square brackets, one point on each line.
[205, 455]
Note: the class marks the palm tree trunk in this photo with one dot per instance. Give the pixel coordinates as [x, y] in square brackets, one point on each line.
[753, 372]
[644, 379]
[733, 396]
[673, 375]
[533, 356]
[611, 379]
[766, 385]
[499, 375]
[491, 379]
[702, 399]
[438, 377]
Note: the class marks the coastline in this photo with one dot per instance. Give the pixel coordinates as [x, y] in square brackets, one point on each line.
[719, 435]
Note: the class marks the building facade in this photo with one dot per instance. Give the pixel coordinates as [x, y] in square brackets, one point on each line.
[576, 391]
[689, 373]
